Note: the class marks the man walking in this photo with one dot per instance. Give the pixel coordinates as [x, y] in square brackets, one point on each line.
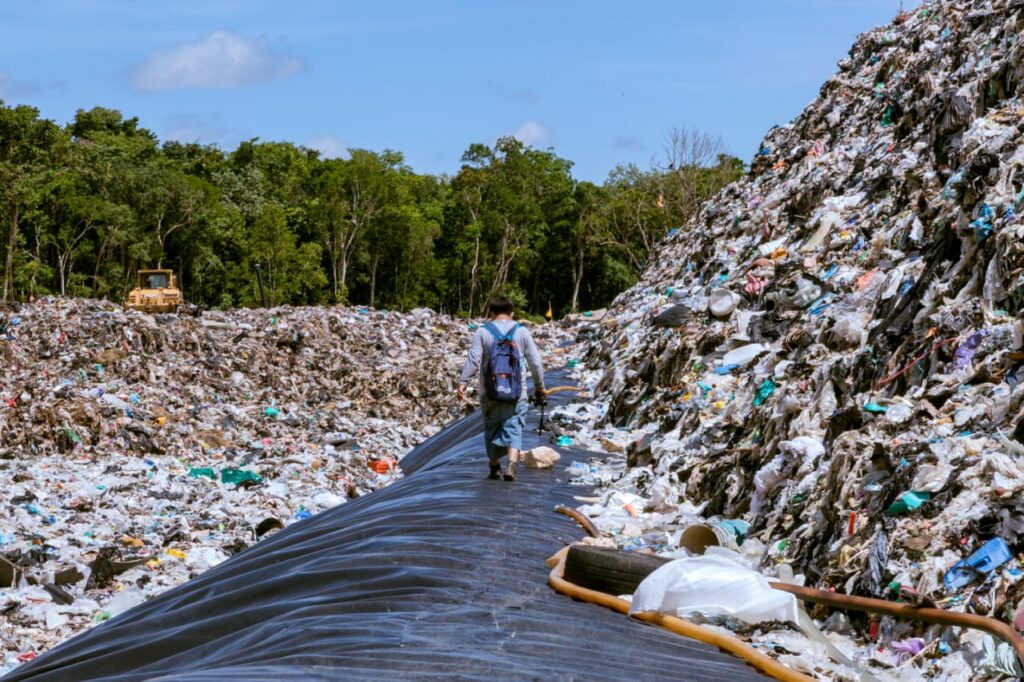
[501, 351]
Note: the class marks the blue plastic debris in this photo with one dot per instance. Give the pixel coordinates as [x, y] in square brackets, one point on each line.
[764, 391]
[982, 225]
[965, 352]
[986, 559]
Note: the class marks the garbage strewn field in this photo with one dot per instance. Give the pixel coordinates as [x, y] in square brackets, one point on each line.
[137, 451]
[827, 364]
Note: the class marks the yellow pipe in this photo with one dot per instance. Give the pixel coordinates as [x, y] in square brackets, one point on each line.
[762, 662]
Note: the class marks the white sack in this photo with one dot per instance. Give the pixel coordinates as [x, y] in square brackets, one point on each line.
[713, 585]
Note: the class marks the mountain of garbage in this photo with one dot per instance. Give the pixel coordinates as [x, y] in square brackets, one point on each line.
[137, 451]
[829, 358]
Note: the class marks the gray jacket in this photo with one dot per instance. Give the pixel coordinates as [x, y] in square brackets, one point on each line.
[482, 343]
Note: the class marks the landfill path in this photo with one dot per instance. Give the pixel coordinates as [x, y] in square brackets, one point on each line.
[440, 575]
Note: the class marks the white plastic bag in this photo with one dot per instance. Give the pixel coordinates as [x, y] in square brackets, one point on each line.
[713, 585]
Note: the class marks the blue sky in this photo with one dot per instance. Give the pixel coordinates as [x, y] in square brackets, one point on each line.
[600, 81]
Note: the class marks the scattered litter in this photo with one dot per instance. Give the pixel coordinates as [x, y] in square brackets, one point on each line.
[873, 303]
[138, 451]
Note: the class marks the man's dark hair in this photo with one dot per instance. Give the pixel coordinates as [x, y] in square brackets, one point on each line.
[501, 305]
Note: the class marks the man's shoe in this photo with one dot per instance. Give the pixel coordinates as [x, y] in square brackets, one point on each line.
[510, 472]
[495, 474]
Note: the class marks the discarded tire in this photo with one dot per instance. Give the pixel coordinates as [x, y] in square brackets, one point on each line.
[608, 570]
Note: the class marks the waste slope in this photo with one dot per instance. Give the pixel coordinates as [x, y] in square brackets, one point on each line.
[440, 575]
[833, 351]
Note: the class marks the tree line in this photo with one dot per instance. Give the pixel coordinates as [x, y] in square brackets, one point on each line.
[85, 205]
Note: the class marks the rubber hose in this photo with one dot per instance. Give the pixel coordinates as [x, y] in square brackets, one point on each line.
[563, 389]
[762, 662]
[908, 612]
[580, 518]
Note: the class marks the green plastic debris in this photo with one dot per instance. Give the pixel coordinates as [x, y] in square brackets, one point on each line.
[764, 392]
[875, 408]
[74, 437]
[572, 363]
[588, 314]
[239, 476]
[202, 472]
[887, 117]
[563, 441]
[907, 502]
[101, 616]
[271, 411]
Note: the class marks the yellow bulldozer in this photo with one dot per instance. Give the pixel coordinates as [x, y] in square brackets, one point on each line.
[156, 291]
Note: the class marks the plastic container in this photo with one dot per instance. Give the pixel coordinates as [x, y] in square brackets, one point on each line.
[722, 303]
[986, 559]
[729, 534]
[382, 466]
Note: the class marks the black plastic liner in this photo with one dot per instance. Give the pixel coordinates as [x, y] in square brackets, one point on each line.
[438, 576]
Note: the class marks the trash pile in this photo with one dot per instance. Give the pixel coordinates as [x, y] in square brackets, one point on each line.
[825, 368]
[137, 451]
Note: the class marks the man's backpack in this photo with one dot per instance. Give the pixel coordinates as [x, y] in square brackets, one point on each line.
[503, 375]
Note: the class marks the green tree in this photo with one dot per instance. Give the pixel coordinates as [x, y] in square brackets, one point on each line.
[27, 145]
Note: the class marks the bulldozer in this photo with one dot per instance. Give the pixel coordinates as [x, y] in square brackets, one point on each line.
[156, 291]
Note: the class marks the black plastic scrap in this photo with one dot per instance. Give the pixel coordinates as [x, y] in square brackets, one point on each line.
[440, 575]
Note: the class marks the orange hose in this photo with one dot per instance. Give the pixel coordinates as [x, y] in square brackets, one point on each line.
[908, 612]
[562, 389]
[762, 662]
[580, 518]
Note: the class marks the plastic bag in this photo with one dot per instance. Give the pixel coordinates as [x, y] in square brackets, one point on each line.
[715, 584]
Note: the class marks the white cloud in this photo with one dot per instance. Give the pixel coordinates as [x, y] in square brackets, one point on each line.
[329, 146]
[220, 60]
[533, 134]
